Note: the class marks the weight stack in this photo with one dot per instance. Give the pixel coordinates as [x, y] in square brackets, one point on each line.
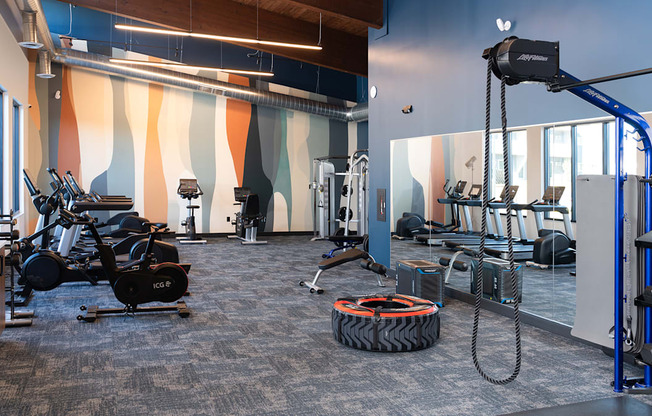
[496, 280]
[422, 279]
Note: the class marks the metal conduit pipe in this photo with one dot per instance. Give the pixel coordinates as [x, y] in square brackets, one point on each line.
[165, 77]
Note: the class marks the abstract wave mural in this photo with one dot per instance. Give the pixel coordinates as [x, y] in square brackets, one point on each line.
[128, 137]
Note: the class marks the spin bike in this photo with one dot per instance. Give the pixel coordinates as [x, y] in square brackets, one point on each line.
[137, 282]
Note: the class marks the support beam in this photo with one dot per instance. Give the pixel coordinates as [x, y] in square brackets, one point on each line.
[366, 12]
[341, 51]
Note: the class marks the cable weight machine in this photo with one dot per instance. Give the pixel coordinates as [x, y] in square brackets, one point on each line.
[328, 220]
[520, 60]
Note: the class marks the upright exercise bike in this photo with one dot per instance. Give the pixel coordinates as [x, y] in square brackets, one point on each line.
[189, 189]
[137, 282]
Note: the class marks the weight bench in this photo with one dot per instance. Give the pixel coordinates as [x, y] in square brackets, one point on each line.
[368, 262]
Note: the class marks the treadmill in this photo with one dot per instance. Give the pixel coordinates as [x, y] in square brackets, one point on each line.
[469, 233]
[451, 200]
[496, 237]
[549, 203]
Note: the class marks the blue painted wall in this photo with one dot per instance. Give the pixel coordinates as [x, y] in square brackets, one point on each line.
[431, 58]
[97, 27]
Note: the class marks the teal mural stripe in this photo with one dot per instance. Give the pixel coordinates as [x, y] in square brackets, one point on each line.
[202, 150]
[283, 182]
[121, 173]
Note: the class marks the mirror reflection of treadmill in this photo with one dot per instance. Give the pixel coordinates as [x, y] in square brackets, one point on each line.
[549, 203]
[497, 244]
[427, 238]
[467, 229]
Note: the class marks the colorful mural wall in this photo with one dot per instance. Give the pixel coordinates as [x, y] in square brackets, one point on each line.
[132, 138]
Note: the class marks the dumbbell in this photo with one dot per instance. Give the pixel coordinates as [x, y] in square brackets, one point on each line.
[10, 235]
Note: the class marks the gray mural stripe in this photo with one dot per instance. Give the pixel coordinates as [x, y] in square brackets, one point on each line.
[121, 173]
[202, 150]
[270, 139]
[54, 116]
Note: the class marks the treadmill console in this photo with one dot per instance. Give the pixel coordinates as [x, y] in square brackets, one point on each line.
[512, 189]
[553, 195]
[475, 191]
[241, 193]
[459, 188]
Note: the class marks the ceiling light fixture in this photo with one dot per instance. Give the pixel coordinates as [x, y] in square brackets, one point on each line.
[182, 65]
[217, 37]
[191, 81]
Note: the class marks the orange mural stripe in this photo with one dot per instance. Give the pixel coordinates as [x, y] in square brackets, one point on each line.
[69, 152]
[156, 197]
[34, 109]
[437, 179]
[238, 117]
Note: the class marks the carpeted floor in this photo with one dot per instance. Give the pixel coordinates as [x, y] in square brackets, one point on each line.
[258, 344]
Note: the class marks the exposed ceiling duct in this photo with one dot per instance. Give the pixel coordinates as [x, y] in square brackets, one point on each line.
[30, 40]
[161, 76]
[44, 65]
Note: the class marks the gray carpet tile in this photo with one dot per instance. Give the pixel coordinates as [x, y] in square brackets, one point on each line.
[258, 344]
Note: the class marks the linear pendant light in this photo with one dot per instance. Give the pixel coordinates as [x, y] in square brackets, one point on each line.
[184, 66]
[216, 37]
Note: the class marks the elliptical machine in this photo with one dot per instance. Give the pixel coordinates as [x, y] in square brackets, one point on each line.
[189, 189]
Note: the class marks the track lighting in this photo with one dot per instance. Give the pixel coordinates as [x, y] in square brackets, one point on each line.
[30, 40]
[217, 37]
[192, 67]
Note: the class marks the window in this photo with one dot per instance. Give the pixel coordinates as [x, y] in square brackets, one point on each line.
[629, 149]
[558, 152]
[517, 145]
[18, 128]
[584, 149]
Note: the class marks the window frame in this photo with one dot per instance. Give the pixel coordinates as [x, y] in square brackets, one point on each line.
[606, 155]
[16, 159]
[492, 191]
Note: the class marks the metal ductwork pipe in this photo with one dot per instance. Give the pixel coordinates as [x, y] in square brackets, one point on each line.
[30, 40]
[358, 113]
[165, 77]
[44, 65]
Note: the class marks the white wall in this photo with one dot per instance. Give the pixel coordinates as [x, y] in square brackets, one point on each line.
[14, 75]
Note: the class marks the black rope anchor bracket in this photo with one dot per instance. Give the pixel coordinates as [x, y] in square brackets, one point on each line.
[485, 203]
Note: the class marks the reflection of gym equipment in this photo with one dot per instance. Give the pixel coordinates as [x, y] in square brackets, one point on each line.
[189, 189]
[326, 220]
[249, 218]
[412, 224]
[367, 262]
[13, 318]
